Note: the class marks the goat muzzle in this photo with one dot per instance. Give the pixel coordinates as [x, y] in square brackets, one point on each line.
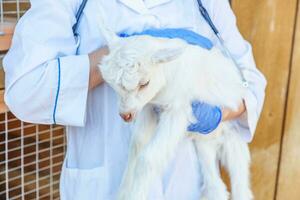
[127, 117]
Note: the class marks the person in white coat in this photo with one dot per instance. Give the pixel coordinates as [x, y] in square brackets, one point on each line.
[97, 138]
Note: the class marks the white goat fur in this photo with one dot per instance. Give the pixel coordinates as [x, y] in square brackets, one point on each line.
[178, 73]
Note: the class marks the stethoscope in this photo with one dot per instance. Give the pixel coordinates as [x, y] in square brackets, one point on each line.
[75, 26]
[205, 15]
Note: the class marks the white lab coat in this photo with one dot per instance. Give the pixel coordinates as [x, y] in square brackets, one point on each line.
[97, 138]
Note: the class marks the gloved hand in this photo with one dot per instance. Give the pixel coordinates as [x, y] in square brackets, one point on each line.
[208, 118]
[184, 34]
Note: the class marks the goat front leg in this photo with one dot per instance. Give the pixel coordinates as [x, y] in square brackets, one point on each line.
[153, 159]
[143, 130]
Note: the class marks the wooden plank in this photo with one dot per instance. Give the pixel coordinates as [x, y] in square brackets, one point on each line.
[268, 25]
[11, 6]
[289, 176]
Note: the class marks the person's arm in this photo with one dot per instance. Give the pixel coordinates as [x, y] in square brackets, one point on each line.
[45, 81]
[248, 115]
[228, 114]
[95, 74]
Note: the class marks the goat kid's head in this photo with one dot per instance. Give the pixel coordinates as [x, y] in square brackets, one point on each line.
[134, 70]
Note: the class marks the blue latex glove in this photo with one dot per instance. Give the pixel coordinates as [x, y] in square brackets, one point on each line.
[208, 117]
[184, 34]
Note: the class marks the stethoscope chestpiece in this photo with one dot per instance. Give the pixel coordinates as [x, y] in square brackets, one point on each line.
[245, 84]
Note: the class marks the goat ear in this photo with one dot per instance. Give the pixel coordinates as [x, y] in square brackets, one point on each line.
[166, 55]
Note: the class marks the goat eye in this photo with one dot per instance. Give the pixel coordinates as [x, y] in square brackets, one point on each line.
[144, 85]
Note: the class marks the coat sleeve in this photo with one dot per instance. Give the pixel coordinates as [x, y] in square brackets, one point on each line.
[225, 21]
[45, 81]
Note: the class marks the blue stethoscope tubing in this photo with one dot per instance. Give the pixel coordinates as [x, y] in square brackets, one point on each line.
[204, 14]
[75, 26]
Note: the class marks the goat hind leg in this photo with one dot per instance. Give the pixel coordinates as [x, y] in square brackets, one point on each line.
[235, 156]
[214, 187]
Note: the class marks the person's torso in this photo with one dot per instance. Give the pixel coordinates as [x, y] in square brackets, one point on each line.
[105, 138]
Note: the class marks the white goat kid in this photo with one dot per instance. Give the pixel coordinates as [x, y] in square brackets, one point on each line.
[148, 72]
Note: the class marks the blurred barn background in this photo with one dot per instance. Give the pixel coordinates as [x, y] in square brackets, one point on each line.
[31, 155]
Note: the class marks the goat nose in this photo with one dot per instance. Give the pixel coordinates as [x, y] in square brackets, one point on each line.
[127, 117]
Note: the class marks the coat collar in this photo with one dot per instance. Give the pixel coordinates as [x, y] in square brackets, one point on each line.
[142, 6]
[153, 3]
